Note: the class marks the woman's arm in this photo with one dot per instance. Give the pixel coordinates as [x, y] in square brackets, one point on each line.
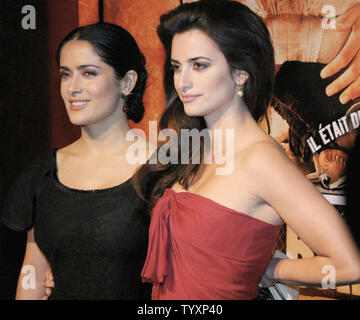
[30, 284]
[302, 207]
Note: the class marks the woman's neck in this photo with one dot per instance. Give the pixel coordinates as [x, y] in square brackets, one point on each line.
[235, 116]
[100, 138]
[235, 128]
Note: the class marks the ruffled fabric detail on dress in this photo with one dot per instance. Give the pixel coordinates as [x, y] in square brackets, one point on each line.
[200, 249]
[155, 268]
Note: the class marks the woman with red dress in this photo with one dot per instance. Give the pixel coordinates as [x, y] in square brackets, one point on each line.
[212, 232]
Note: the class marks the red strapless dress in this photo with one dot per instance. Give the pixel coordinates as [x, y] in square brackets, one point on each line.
[202, 250]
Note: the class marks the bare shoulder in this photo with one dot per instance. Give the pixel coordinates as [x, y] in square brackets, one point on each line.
[269, 171]
[264, 153]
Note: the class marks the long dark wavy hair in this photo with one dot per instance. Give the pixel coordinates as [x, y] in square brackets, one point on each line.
[244, 40]
[117, 48]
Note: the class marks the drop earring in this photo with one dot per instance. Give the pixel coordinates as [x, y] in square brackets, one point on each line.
[240, 92]
[125, 107]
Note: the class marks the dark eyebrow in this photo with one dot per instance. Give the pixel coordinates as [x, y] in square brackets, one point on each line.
[192, 59]
[83, 66]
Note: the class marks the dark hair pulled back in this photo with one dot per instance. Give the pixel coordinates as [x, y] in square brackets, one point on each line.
[117, 48]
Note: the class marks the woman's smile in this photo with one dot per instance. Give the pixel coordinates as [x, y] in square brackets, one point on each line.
[201, 70]
[88, 85]
[78, 104]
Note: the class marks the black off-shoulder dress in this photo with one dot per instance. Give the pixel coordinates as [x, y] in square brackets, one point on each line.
[95, 241]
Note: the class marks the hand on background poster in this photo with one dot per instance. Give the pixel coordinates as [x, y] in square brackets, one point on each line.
[348, 56]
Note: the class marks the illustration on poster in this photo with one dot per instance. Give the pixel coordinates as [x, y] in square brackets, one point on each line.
[335, 129]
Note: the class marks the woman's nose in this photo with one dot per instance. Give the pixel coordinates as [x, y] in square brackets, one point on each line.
[74, 85]
[185, 80]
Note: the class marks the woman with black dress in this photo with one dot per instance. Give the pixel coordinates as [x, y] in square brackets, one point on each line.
[83, 218]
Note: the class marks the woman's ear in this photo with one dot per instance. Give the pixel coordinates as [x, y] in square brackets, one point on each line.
[241, 77]
[128, 82]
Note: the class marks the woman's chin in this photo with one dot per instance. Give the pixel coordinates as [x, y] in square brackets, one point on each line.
[79, 122]
[192, 113]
